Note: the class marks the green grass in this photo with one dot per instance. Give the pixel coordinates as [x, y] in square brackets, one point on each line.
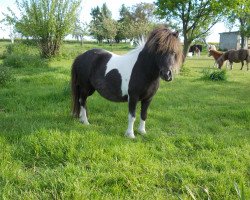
[197, 146]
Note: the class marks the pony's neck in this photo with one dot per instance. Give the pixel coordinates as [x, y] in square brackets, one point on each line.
[148, 64]
[216, 54]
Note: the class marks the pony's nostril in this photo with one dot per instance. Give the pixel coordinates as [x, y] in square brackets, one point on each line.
[169, 73]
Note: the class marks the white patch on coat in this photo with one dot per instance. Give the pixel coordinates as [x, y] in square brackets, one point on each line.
[130, 130]
[83, 116]
[124, 64]
[142, 129]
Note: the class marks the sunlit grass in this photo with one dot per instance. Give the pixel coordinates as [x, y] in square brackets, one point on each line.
[197, 146]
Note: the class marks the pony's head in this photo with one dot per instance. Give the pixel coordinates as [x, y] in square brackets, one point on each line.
[209, 53]
[166, 48]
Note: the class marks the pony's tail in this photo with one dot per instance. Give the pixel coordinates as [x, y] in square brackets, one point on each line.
[75, 90]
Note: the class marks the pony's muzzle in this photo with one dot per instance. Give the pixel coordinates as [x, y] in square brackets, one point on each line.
[166, 75]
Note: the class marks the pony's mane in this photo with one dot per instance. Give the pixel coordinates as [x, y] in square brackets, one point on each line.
[162, 41]
[139, 46]
[215, 51]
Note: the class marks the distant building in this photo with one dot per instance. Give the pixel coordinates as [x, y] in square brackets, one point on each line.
[232, 40]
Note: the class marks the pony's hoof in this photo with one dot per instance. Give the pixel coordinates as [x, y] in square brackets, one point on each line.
[142, 131]
[84, 122]
[130, 135]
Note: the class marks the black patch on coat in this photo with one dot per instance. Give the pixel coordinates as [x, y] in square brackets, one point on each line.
[193, 47]
[91, 67]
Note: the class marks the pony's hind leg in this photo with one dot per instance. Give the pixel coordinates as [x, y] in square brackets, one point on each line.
[83, 105]
[83, 111]
[242, 64]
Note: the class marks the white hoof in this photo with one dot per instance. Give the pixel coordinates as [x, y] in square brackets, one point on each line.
[84, 122]
[142, 131]
[130, 135]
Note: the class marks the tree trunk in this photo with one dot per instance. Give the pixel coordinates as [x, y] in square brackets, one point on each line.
[242, 35]
[81, 40]
[186, 47]
[50, 48]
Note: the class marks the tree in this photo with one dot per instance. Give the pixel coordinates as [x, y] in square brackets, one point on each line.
[125, 20]
[97, 22]
[143, 12]
[109, 29]
[136, 21]
[239, 11]
[80, 30]
[194, 17]
[47, 21]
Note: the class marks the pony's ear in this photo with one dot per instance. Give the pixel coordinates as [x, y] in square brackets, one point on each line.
[176, 34]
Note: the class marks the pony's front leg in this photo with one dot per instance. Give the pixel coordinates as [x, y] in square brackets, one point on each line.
[131, 117]
[231, 65]
[144, 108]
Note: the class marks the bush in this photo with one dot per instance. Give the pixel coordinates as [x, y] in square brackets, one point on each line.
[184, 71]
[22, 60]
[214, 75]
[20, 49]
[20, 55]
[5, 75]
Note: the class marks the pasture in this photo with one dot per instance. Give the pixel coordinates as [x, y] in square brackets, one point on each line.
[197, 144]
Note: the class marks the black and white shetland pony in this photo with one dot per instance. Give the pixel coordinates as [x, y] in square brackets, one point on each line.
[128, 78]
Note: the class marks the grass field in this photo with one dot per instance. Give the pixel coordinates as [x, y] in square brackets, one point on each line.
[197, 146]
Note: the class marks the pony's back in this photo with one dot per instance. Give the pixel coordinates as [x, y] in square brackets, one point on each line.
[237, 55]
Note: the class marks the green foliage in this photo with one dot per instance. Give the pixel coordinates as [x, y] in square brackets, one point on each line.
[214, 74]
[184, 71]
[97, 24]
[24, 60]
[240, 192]
[80, 30]
[193, 18]
[47, 21]
[20, 48]
[238, 14]
[134, 22]
[5, 75]
[20, 55]
[109, 28]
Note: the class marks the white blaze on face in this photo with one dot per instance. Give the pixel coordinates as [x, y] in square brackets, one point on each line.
[124, 64]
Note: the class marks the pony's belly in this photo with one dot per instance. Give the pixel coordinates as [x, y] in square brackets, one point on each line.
[110, 86]
[114, 98]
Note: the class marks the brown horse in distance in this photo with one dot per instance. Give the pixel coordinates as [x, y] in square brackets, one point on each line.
[236, 56]
[216, 54]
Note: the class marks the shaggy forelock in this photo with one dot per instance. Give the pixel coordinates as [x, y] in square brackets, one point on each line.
[162, 41]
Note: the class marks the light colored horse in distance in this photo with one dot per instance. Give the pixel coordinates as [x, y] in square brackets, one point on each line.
[236, 56]
[211, 47]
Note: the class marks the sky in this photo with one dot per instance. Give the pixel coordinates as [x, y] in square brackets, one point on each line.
[114, 6]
